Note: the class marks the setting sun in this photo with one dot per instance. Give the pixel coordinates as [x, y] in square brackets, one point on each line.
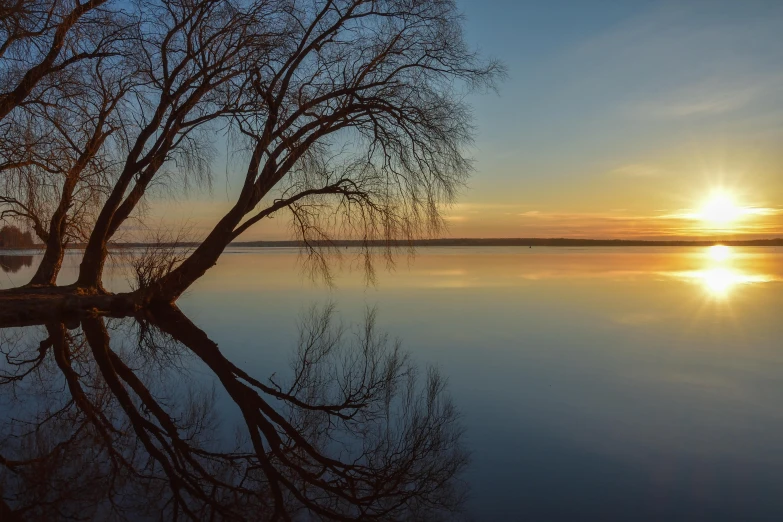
[720, 210]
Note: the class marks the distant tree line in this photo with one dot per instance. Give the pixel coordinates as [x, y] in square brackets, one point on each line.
[12, 237]
[530, 242]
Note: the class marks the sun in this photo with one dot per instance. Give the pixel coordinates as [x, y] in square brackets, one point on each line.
[720, 210]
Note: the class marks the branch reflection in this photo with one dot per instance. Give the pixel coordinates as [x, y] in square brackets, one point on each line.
[110, 419]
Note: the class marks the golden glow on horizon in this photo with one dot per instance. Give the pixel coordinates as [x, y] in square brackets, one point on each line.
[671, 213]
[720, 210]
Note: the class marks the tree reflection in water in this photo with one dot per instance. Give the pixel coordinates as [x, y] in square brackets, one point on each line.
[14, 263]
[106, 419]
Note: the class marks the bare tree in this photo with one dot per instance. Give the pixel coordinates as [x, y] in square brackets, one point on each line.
[356, 125]
[58, 190]
[351, 116]
[147, 76]
[194, 58]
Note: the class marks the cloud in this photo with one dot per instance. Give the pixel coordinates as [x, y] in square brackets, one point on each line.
[688, 214]
[708, 97]
[756, 222]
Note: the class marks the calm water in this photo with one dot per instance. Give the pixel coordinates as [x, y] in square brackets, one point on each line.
[611, 384]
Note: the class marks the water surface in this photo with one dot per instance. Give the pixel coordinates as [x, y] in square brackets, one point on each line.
[599, 383]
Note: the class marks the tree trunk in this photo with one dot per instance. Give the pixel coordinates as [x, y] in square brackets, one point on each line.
[170, 287]
[46, 274]
[112, 215]
[32, 306]
[91, 267]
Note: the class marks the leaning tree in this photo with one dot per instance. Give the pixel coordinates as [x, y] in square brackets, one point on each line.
[349, 115]
[59, 155]
[356, 125]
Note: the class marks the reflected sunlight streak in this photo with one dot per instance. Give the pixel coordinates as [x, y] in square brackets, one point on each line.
[719, 253]
[719, 280]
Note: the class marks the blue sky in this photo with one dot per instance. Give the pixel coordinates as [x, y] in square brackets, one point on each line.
[616, 117]
[635, 105]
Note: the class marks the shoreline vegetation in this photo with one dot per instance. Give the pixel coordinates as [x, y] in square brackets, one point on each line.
[459, 242]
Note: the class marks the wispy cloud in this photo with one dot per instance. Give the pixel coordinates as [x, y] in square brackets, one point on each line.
[695, 215]
[708, 97]
[751, 222]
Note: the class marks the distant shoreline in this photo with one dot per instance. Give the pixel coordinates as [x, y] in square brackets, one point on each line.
[525, 242]
[477, 242]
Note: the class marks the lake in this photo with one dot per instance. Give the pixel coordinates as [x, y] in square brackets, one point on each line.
[592, 384]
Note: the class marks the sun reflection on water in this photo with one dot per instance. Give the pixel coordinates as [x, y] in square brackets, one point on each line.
[719, 253]
[719, 277]
[720, 281]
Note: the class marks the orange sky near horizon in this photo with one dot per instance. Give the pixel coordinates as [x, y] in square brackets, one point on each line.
[624, 124]
[504, 220]
[615, 205]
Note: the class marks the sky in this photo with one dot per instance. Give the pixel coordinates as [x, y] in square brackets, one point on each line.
[636, 119]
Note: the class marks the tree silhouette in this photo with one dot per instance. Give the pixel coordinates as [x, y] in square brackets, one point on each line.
[348, 115]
